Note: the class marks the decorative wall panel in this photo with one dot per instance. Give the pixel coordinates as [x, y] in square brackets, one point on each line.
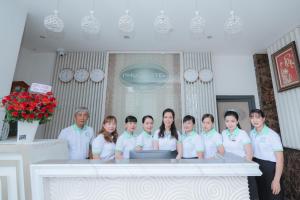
[199, 97]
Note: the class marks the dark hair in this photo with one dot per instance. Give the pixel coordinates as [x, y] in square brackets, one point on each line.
[257, 111]
[130, 118]
[210, 116]
[109, 137]
[162, 127]
[145, 117]
[233, 114]
[189, 118]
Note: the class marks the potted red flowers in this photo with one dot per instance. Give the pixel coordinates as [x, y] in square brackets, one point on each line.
[29, 109]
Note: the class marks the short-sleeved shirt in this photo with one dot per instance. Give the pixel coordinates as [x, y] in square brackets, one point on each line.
[78, 140]
[125, 143]
[103, 148]
[192, 143]
[212, 140]
[265, 144]
[167, 142]
[145, 140]
[235, 142]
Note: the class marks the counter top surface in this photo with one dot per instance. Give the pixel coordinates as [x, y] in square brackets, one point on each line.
[13, 141]
[226, 159]
[227, 165]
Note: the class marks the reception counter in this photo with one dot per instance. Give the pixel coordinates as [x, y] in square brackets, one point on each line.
[15, 161]
[219, 178]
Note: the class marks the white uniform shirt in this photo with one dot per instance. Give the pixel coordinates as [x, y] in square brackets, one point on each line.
[167, 142]
[265, 144]
[235, 142]
[212, 140]
[125, 143]
[78, 141]
[103, 148]
[145, 140]
[192, 143]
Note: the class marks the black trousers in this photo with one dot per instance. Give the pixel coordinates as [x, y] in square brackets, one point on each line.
[264, 181]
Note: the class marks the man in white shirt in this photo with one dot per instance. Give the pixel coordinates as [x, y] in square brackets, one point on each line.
[78, 135]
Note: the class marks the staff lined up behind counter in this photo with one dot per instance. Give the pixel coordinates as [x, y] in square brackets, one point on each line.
[262, 144]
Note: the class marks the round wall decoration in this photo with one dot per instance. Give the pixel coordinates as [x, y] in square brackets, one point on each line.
[97, 75]
[206, 75]
[191, 75]
[66, 75]
[81, 75]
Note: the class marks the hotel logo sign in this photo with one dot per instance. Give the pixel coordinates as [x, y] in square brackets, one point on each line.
[144, 75]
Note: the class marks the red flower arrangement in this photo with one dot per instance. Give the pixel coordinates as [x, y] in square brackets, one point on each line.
[25, 106]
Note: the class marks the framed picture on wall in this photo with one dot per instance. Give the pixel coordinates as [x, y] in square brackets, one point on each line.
[242, 104]
[286, 67]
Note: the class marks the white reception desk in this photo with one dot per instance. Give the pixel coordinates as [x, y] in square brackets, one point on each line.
[223, 178]
[15, 160]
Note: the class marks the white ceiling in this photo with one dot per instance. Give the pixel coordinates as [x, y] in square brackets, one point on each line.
[265, 21]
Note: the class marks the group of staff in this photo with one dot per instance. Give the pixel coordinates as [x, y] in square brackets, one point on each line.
[262, 144]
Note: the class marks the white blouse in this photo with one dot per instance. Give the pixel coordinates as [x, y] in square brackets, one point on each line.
[192, 143]
[235, 142]
[167, 142]
[125, 143]
[212, 140]
[105, 150]
[265, 144]
[145, 140]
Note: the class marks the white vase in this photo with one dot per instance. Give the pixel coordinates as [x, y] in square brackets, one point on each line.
[26, 131]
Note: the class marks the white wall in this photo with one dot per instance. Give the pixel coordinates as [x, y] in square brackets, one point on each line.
[12, 19]
[235, 75]
[35, 67]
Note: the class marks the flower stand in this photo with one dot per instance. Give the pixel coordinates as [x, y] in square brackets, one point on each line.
[27, 131]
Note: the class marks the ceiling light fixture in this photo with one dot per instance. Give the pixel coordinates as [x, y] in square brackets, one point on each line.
[197, 25]
[233, 24]
[90, 24]
[53, 22]
[162, 24]
[126, 23]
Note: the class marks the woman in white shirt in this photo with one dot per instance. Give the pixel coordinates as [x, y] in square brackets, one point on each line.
[268, 153]
[127, 141]
[103, 146]
[167, 137]
[212, 139]
[145, 140]
[236, 140]
[192, 142]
